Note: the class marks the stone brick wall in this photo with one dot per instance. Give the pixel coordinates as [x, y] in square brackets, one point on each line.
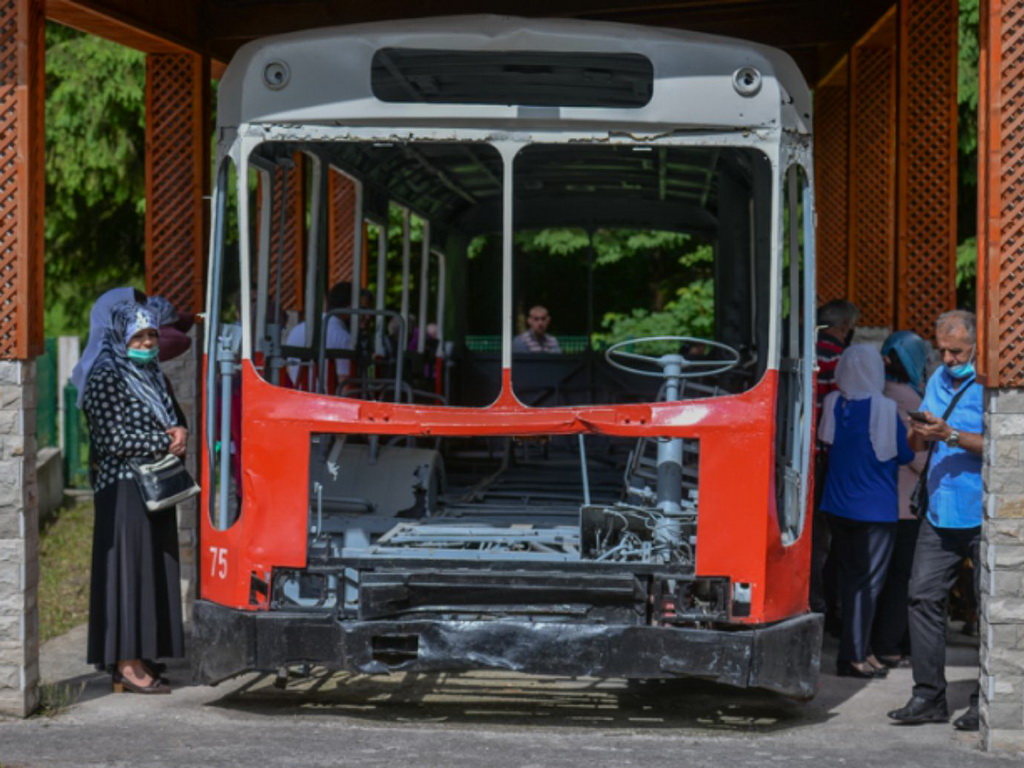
[183, 373]
[1002, 574]
[19, 541]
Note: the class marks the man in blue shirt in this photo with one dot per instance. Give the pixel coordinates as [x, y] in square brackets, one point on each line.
[951, 529]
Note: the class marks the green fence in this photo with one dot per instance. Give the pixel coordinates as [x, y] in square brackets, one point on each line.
[76, 436]
[76, 441]
[570, 344]
[46, 389]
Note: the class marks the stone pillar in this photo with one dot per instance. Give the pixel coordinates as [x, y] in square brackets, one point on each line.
[1002, 573]
[19, 541]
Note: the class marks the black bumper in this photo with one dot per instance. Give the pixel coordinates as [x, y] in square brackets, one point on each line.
[780, 657]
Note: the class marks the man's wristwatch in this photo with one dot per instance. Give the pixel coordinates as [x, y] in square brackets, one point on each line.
[953, 441]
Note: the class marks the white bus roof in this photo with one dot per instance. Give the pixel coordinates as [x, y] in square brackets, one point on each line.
[324, 76]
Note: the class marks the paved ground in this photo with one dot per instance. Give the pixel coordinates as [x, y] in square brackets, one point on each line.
[496, 720]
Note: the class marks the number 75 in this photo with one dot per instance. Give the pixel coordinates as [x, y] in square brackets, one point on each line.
[219, 562]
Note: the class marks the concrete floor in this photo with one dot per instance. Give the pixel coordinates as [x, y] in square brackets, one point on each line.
[493, 719]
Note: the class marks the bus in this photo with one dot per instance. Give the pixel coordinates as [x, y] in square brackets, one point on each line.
[389, 483]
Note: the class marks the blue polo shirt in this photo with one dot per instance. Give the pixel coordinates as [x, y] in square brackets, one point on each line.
[954, 475]
[859, 486]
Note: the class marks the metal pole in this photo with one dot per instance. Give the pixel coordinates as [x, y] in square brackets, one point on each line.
[421, 337]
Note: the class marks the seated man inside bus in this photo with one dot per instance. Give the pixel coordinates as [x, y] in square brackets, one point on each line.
[338, 337]
[536, 338]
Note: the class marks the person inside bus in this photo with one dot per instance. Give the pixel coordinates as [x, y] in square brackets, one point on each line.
[338, 337]
[536, 337]
[837, 321]
[134, 596]
[905, 354]
[867, 441]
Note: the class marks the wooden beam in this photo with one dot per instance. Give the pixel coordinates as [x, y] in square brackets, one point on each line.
[150, 27]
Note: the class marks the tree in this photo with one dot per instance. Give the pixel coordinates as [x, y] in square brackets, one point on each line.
[95, 173]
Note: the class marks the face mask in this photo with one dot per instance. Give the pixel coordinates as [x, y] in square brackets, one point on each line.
[143, 356]
[963, 371]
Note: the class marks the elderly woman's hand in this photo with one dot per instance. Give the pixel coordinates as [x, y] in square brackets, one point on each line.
[179, 440]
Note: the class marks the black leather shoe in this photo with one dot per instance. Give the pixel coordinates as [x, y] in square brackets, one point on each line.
[919, 710]
[969, 720]
[848, 669]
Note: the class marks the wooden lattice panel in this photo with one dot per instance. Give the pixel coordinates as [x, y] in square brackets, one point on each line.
[341, 215]
[1001, 201]
[831, 158]
[21, 178]
[926, 245]
[873, 182]
[176, 139]
[286, 234]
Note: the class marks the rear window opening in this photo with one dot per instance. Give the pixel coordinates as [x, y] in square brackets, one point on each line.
[526, 78]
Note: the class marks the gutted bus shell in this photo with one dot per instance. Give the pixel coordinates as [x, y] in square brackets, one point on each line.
[356, 524]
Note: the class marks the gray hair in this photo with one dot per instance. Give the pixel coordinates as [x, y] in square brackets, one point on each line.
[948, 321]
[838, 312]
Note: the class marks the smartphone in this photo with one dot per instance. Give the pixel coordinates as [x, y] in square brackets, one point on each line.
[917, 415]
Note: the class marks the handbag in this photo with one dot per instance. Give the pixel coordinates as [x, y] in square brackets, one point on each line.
[919, 496]
[162, 482]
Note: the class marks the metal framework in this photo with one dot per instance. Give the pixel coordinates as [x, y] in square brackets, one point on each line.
[21, 180]
[176, 167]
[1000, 204]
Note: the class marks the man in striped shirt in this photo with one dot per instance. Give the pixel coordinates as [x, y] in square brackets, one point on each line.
[839, 317]
[536, 338]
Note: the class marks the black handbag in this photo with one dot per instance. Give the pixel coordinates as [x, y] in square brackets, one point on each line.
[919, 497]
[163, 482]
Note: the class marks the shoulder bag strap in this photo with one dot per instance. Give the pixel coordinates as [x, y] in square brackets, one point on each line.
[945, 416]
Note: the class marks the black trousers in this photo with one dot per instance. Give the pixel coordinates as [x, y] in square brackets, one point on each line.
[862, 552]
[938, 556]
[890, 635]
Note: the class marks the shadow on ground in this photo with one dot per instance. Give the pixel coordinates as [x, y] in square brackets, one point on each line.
[500, 698]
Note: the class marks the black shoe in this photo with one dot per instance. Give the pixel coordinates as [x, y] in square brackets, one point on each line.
[848, 669]
[969, 720]
[919, 710]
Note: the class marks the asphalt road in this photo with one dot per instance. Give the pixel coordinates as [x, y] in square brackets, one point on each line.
[492, 719]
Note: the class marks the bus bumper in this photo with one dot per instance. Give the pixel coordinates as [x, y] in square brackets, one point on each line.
[782, 657]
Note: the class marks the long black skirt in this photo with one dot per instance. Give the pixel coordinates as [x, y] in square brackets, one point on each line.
[135, 594]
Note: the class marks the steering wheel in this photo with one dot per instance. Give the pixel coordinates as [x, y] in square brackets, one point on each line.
[687, 368]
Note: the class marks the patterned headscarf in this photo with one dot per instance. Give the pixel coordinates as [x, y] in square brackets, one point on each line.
[99, 322]
[146, 382]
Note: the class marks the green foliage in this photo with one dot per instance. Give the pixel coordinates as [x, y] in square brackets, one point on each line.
[691, 313]
[95, 173]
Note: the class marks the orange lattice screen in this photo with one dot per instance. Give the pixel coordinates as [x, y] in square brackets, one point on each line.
[287, 217]
[21, 179]
[873, 177]
[341, 223]
[1000, 200]
[176, 153]
[926, 214]
[831, 158]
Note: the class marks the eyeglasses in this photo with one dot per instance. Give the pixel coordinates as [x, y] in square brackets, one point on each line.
[538, 317]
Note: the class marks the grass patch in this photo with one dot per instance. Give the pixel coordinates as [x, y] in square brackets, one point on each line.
[65, 554]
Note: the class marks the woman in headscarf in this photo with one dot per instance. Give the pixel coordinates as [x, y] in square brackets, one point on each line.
[99, 322]
[867, 441]
[905, 354]
[135, 599]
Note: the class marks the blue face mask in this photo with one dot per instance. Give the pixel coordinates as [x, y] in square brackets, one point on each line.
[963, 370]
[143, 356]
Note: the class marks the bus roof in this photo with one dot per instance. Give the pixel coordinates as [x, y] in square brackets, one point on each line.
[379, 74]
